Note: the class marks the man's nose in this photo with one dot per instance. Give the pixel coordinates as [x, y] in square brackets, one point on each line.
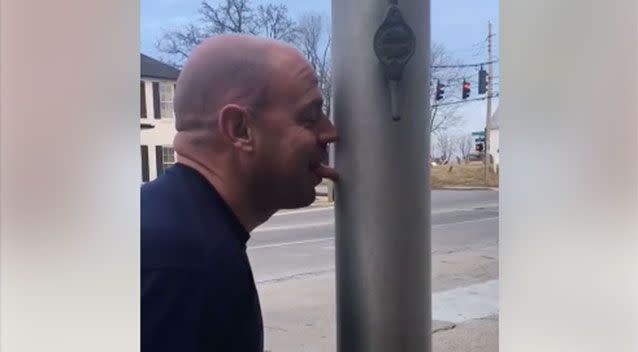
[328, 133]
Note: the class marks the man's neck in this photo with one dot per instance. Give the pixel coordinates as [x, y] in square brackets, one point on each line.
[237, 197]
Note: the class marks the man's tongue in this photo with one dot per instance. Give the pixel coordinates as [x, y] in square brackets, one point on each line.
[324, 171]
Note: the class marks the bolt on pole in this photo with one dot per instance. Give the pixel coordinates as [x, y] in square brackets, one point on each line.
[381, 105]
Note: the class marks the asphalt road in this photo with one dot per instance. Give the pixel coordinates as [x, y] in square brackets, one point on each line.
[292, 257]
[301, 242]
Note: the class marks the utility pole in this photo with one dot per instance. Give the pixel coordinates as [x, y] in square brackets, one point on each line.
[380, 57]
[489, 100]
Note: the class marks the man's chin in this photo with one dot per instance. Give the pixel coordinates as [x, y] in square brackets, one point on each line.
[302, 201]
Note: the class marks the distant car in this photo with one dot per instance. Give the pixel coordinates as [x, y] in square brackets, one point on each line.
[475, 157]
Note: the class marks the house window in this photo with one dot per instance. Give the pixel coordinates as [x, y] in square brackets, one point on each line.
[143, 99]
[166, 100]
[145, 174]
[164, 158]
[168, 157]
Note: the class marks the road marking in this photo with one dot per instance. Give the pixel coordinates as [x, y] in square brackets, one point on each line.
[290, 227]
[466, 221]
[476, 207]
[466, 303]
[331, 207]
[331, 222]
[283, 244]
[323, 239]
[302, 211]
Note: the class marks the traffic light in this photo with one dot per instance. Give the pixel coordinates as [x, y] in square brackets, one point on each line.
[466, 89]
[439, 90]
[479, 147]
[482, 88]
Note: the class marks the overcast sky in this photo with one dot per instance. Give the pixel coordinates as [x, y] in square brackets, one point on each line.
[459, 24]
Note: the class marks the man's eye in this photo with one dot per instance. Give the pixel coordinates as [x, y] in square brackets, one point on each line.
[312, 117]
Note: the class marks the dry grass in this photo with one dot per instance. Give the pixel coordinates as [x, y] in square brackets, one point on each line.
[466, 175]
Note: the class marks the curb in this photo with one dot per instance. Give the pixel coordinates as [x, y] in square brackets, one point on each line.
[321, 205]
[462, 188]
[321, 202]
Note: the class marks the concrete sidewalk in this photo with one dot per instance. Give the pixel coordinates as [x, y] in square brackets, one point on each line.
[296, 283]
[479, 335]
[298, 317]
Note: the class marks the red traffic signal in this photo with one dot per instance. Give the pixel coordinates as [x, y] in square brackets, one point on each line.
[466, 89]
[439, 90]
[479, 147]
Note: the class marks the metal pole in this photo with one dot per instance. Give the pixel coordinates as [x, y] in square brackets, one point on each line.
[383, 199]
[331, 158]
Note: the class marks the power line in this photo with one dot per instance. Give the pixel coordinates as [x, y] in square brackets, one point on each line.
[472, 49]
[465, 49]
[480, 44]
[479, 64]
[463, 101]
[477, 53]
[454, 82]
[451, 81]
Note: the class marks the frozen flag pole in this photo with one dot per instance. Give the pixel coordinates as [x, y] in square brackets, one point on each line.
[380, 104]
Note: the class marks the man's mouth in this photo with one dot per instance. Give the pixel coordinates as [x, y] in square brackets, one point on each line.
[323, 171]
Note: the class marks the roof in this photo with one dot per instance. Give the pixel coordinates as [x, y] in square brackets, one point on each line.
[156, 69]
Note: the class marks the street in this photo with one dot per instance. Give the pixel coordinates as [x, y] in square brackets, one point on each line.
[292, 256]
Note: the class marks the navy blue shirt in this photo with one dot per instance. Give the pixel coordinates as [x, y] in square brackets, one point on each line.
[198, 290]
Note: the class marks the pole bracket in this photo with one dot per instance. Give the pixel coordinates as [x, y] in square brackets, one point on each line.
[394, 45]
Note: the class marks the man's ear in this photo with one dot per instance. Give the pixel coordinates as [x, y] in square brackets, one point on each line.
[234, 125]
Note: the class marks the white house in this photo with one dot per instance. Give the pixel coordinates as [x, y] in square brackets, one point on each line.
[157, 119]
[494, 149]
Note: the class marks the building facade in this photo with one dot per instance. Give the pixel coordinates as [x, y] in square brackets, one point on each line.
[495, 147]
[157, 118]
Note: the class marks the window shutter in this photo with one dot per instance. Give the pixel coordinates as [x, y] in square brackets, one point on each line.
[144, 150]
[159, 160]
[143, 99]
[156, 100]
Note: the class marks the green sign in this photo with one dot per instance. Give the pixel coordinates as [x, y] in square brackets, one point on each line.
[478, 133]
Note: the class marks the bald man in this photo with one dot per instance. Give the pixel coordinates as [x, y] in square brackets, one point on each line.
[250, 141]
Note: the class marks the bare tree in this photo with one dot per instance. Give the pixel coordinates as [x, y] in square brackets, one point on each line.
[446, 116]
[311, 35]
[179, 42]
[231, 16]
[464, 145]
[226, 16]
[444, 146]
[314, 41]
[275, 22]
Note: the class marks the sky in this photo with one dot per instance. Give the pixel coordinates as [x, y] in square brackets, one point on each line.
[461, 25]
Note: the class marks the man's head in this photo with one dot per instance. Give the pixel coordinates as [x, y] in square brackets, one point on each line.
[250, 110]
